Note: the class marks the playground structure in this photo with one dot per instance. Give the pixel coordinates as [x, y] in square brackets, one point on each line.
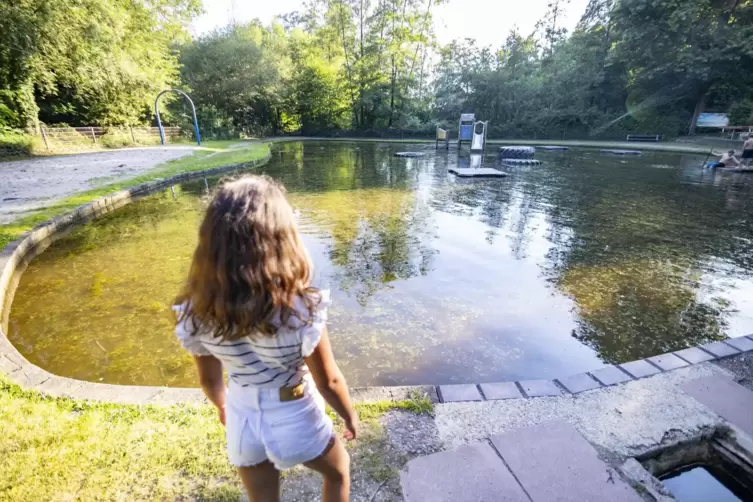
[469, 130]
[478, 140]
[443, 135]
[193, 111]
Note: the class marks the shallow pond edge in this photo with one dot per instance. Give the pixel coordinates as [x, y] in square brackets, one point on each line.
[16, 256]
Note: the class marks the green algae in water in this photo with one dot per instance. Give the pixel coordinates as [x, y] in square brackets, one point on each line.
[554, 270]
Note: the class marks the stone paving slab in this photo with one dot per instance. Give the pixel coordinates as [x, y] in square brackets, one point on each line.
[540, 388]
[743, 344]
[554, 462]
[694, 355]
[459, 393]
[578, 383]
[640, 368]
[720, 349]
[500, 390]
[370, 394]
[726, 398]
[610, 375]
[469, 473]
[668, 362]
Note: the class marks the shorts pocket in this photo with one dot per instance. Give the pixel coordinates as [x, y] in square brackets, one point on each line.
[244, 448]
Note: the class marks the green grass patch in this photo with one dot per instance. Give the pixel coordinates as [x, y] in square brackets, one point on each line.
[418, 403]
[214, 154]
[64, 449]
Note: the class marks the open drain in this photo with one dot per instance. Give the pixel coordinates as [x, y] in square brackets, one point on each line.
[703, 484]
[716, 468]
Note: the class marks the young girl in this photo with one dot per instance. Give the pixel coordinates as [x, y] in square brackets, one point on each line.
[248, 306]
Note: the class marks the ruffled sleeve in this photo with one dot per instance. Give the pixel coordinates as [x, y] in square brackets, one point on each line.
[312, 333]
[183, 330]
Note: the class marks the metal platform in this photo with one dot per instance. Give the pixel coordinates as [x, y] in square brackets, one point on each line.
[479, 172]
[409, 154]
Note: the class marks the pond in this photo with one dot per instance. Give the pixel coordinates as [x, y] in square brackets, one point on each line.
[585, 260]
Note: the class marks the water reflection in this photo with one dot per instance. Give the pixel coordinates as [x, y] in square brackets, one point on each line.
[558, 268]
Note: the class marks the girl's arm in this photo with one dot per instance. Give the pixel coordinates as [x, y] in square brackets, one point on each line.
[331, 383]
[212, 382]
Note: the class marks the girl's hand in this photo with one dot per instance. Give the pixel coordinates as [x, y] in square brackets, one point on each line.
[351, 428]
[221, 413]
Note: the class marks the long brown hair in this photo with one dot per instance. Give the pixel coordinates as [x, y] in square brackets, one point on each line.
[250, 264]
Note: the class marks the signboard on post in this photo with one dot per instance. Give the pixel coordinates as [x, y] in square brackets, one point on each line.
[716, 120]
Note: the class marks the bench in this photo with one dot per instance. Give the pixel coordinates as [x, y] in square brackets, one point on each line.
[643, 137]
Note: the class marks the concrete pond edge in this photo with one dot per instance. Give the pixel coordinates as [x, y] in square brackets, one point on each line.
[16, 256]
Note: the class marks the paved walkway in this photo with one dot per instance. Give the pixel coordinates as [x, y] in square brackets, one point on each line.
[553, 461]
[27, 185]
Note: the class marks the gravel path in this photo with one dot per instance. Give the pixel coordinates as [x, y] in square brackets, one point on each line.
[28, 185]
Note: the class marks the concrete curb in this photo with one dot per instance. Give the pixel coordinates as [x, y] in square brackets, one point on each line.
[16, 256]
[13, 261]
[596, 379]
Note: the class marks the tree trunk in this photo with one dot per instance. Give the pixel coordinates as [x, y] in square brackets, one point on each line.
[392, 92]
[699, 106]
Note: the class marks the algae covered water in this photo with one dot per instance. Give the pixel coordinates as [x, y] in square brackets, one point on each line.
[584, 260]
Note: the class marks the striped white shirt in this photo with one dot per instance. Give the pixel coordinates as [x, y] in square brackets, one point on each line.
[261, 361]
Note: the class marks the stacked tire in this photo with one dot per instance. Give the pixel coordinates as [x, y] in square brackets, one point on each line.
[516, 152]
[523, 162]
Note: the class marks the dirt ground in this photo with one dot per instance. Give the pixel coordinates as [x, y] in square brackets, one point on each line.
[27, 185]
[377, 457]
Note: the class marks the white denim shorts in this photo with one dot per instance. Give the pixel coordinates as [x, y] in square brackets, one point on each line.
[260, 427]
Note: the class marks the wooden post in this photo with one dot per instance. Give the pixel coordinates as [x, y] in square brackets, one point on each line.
[94, 138]
[44, 137]
[133, 138]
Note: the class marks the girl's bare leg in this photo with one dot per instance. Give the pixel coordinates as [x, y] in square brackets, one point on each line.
[262, 482]
[334, 465]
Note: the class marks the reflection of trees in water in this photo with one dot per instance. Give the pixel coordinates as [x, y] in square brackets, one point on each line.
[640, 241]
[379, 236]
[635, 309]
[625, 245]
[323, 167]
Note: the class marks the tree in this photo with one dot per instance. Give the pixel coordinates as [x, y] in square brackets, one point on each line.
[684, 50]
[238, 77]
[99, 61]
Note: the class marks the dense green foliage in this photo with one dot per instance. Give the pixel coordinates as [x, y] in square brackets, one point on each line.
[366, 66]
[87, 61]
[630, 65]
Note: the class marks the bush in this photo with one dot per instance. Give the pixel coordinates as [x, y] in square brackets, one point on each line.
[15, 143]
[741, 113]
[116, 138]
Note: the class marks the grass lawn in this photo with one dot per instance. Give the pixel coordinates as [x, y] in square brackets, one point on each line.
[62, 449]
[213, 154]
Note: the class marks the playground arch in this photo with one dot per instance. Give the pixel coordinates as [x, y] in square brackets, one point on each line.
[193, 111]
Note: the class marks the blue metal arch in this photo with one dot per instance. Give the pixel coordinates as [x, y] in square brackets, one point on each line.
[193, 111]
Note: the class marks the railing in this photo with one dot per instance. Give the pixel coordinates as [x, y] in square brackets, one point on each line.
[109, 136]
